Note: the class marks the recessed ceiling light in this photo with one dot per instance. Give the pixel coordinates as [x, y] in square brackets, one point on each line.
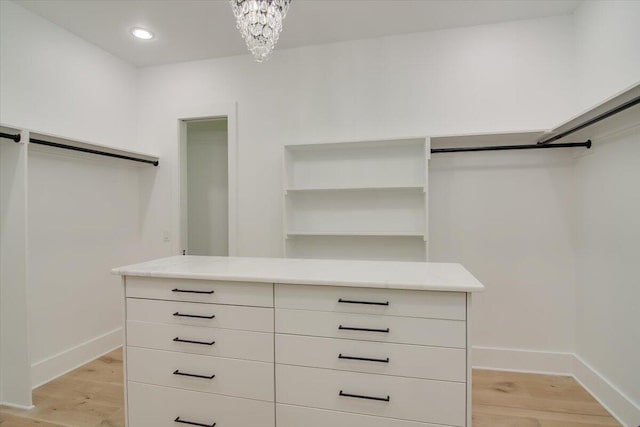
[141, 33]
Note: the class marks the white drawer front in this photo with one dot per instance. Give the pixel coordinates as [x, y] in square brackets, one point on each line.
[207, 291]
[437, 305]
[232, 377]
[436, 363]
[438, 402]
[227, 343]
[297, 416]
[406, 330]
[210, 315]
[154, 406]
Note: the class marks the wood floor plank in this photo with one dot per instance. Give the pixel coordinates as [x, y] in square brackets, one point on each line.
[544, 417]
[93, 396]
[68, 412]
[493, 420]
[481, 419]
[79, 390]
[106, 369]
[553, 393]
[8, 420]
[115, 420]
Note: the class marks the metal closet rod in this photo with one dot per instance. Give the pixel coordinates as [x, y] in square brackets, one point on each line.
[592, 121]
[586, 144]
[15, 138]
[88, 150]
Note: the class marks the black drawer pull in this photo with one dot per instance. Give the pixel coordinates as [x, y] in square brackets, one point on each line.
[359, 396]
[206, 377]
[191, 292]
[178, 314]
[191, 423]
[348, 301]
[177, 339]
[366, 359]
[348, 328]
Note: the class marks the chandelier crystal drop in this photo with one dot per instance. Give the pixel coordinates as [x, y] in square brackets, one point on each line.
[260, 23]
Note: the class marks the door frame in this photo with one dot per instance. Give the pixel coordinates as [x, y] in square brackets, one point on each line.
[212, 112]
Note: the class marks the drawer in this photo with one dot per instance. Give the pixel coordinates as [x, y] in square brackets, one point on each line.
[154, 406]
[232, 377]
[438, 402]
[227, 342]
[210, 315]
[297, 416]
[404, 330]
[207, 291]
[436, 363]
[437, 305]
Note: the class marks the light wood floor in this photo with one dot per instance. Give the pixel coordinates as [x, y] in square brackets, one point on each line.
[92, 396]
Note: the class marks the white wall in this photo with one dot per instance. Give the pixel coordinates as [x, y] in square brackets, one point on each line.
[508, 218]
[608, 55]
[84, 214]
[501, 77]
[608, 212]
[608, 285]
[472, 79]
[207, 182]
[83, 218]
[54, 82]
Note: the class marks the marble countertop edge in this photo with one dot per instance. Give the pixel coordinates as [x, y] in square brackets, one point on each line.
[449, 277]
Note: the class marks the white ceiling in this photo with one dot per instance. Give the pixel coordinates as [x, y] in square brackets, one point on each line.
[198, 29]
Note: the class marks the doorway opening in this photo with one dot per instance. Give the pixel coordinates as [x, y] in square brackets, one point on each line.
[205, 187]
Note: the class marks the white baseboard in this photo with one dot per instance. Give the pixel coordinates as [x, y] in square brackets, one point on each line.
[507, 359]
[51, 368]
[613, 400]
[13, 405]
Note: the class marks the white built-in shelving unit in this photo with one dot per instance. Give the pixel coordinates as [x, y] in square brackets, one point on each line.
[20, 241]
[357, 200]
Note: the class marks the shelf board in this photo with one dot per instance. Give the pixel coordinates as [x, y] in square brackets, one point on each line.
[93, 146]
[356, 233]
[413, 188]
[623, 120]
[495, 138]
[363, 144]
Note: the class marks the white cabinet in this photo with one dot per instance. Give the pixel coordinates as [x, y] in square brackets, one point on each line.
[155, 406]
[372, 352]
[206, 291]
[441, 402]
[372, 327]
[199, 351]
[296, 416]
[335, 353]
[429, 362]
[219, 375]
[357, 200]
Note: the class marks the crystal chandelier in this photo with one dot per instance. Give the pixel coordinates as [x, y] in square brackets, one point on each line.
[260, 23]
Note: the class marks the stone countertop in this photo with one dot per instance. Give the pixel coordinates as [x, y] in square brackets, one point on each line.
[428, 276]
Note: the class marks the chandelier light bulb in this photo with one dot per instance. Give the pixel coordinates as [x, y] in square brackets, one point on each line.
[260, 23]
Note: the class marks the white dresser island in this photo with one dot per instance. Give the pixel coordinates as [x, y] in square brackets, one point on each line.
[265, 342]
